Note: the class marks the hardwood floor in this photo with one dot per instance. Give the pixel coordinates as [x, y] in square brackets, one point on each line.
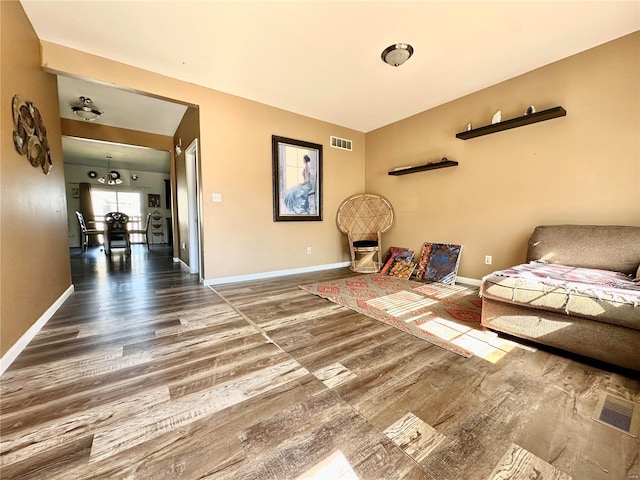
[144, 373]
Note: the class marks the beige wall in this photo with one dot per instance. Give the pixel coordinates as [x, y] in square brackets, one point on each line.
[34, 256]
[582, 168]
[239, 235]
[106, 133]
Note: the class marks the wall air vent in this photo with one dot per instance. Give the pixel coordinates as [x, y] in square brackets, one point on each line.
[341, 143]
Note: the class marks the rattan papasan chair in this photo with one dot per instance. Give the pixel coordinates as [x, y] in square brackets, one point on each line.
[364, 217]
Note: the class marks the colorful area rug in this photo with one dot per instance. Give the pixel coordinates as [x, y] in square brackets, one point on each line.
[445, 315]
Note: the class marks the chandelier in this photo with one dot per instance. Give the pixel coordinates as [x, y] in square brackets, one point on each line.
[111, 177]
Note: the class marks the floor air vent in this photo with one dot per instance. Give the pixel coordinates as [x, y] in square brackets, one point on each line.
[341, 143]
[618, 413]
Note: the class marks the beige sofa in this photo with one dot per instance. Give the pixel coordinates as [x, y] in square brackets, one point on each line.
[580, 292]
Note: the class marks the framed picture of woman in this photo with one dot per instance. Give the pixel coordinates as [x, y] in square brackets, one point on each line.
[297, 180]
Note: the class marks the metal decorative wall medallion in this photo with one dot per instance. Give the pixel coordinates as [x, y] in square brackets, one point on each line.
[30, 134]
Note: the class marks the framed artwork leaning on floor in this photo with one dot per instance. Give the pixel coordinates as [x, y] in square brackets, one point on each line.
[439, 262]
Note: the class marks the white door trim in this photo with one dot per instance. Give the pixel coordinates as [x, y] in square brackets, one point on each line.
[193, 193]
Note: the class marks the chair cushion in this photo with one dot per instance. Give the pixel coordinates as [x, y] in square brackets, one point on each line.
[365, 243]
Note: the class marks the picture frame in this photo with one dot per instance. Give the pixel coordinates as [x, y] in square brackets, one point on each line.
[297, 180]
[396, 254]
[154, 200]
[75, 192]
[439, 262]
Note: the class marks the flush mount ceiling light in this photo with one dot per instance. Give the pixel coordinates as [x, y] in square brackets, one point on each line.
[111, 177]
[395, 55]
[85, 109]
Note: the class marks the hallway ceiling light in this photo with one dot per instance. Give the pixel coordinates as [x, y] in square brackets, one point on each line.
[111, 177]
[396, 55]
[86, 110]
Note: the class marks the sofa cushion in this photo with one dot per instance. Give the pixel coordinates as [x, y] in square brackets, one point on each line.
[606, 247]
[610, 343]
[601, 295]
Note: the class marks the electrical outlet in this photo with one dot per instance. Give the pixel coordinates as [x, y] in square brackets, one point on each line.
[488, 259]
[308, 250]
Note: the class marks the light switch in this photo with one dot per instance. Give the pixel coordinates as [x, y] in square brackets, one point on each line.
[216, 197]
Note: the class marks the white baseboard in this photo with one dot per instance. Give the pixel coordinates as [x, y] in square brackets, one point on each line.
[275, 273]
[468, 281]
[316, 268]
[9, 357]
[184, 266]
[176, 260]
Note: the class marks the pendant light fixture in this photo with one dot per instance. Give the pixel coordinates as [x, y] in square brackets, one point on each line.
[395, 55]
[111, 177]
[86, 110]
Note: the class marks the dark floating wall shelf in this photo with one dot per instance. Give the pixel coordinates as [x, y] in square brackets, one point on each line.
[554, 112]
[426, 166]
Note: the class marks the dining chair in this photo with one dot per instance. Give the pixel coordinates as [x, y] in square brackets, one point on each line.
[364, 217]
[116, 230]
[86, 232]
[142, 231]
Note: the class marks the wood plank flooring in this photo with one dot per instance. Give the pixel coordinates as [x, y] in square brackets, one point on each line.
[144, 373]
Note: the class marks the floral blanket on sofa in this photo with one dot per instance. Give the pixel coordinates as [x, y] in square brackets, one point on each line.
[587, 281]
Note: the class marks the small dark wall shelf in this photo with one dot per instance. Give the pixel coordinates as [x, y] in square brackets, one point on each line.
[422, 168]
[554, 112]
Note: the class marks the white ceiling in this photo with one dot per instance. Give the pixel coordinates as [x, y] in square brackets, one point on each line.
[80, 151]
[120, 108]
[322, 58]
